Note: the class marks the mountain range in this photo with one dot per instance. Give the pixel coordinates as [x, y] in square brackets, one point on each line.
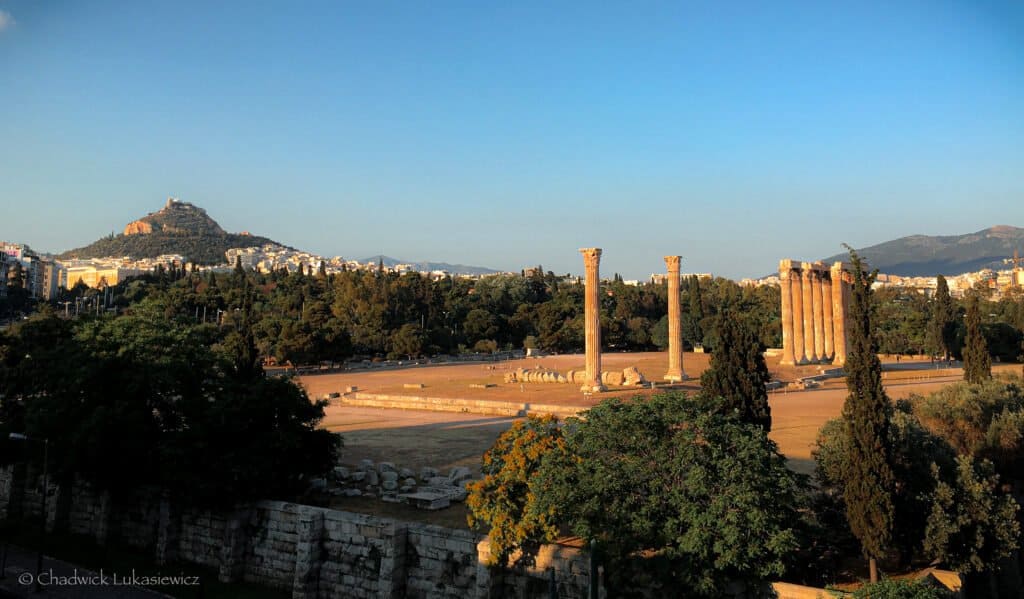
[183, 228]
[927, 256]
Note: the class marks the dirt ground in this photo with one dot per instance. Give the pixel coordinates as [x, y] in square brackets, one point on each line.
[413, 438]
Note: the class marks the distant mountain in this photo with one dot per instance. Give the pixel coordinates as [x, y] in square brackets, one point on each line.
[455, 269]
[177, 228]
[926, 256]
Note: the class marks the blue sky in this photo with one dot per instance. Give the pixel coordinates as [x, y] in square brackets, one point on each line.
[511, 134]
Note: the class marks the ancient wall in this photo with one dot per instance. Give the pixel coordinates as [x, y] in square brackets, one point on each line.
[313, 552]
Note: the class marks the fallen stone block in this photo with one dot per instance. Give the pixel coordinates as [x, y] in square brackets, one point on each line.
[413, 386]
[409, 482]
[387, 476]
[426, 500]
[358, 476]
[389, 485]
[386, 467]
[459, 474]
[426, 473]
[633, 376]
[352, 492]
[439, 481]
[341, 473]
[351, 389]
[406, 473]
[366, 465]
[481, 385]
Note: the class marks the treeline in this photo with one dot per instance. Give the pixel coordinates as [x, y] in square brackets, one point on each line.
[153, 399]
[305, 318]
[314, 317]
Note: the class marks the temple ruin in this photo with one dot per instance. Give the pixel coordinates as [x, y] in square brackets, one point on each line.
[815, 300]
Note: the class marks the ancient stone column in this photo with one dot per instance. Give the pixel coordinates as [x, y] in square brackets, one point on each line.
[675, 328]
[786, 291]
[592, 320]
[839, 295]
[819, 318]
[799, 353]
[826, 308]
[808, 291]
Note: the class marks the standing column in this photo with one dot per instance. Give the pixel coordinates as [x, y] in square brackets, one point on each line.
[786, 291]
[675, 329]
[839, 313]
[819, 313]
[826, 309]
[808, 290]
[592, 320]
[799, 352]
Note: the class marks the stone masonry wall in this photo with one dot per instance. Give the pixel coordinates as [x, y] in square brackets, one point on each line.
[316, 553]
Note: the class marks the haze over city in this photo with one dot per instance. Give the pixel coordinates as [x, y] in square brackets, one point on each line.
[511, 136]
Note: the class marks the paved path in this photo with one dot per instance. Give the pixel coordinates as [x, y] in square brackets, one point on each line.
[64, 580]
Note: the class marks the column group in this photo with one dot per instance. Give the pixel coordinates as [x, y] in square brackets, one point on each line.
[814, 306]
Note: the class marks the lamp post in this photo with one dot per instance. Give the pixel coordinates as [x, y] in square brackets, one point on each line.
[45, 492]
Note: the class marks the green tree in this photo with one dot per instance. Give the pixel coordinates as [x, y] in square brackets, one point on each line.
[972, 525]
[675, 493]
[915, 452]
[942, 329]
[502, 502]
[738, 373]
[898, 589]
[868, 480]
[977, 361]
[407, 341]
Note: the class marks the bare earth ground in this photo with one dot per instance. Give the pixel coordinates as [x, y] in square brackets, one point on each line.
[413, 439]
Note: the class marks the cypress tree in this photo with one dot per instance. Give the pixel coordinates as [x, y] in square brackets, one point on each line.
[942, 332]
[977, 361]
[738, 373]
[696, 308]
[868, 479]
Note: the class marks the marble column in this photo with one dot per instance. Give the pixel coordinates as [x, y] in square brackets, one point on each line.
[799, 353]
[786, 291]
[675, 329]
[818, 315]
[826, 307]
[592, 320]
[839, 295]
[807, 287]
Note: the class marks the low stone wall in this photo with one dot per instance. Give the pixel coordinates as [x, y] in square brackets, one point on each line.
[436, 404]
[310, 551]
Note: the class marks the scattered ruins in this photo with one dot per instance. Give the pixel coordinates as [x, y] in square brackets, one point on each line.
[815, 300]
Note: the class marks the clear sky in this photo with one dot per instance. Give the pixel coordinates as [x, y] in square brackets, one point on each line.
[511, 134]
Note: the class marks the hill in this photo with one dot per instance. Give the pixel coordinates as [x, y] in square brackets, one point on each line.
[456, 269]
[925, 256]
[177, 228]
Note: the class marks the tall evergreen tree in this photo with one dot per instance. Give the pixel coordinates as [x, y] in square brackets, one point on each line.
[942, 333]
[696, 308]
[977, 361]
[868, 480]
[738, 373]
